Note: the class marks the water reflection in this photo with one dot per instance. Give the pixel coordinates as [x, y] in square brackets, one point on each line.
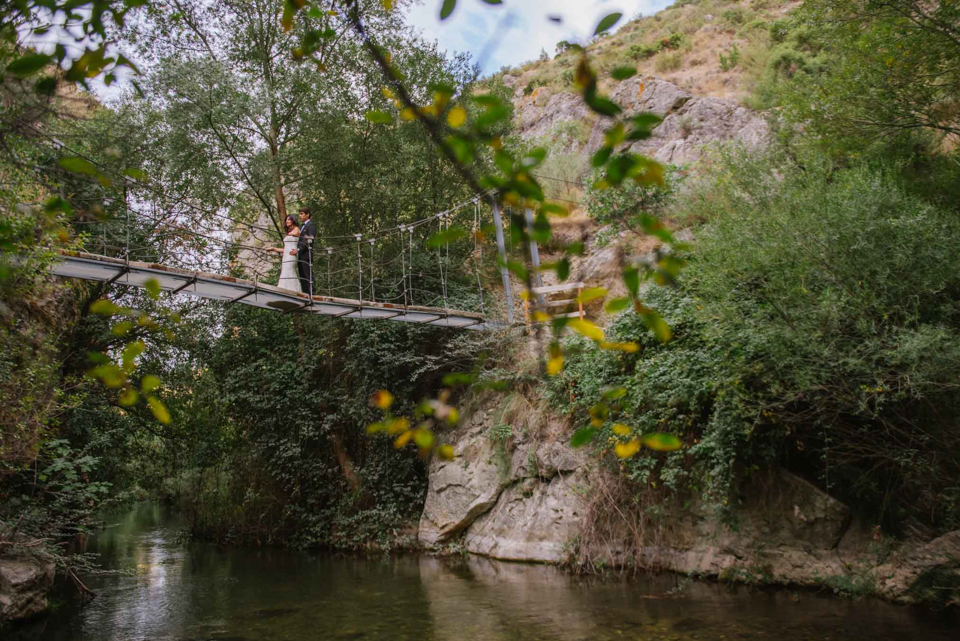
[196, 591]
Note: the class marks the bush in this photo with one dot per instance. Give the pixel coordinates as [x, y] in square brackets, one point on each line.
[849, 302]
[669, 62]
[623, 207]
[533, 85]
[729, 61]
[734, 16]
[642, 52]
[817, 327]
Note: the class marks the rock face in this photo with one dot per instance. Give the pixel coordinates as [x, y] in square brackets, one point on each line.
[516, 491]
[689, 124]
[24, 584]
[511, 496]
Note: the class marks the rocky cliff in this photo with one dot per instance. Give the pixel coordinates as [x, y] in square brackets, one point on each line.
[689, 122]
[516, 491]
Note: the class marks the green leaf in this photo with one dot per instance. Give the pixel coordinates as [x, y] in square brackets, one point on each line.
[617, 305]
[601, 157]
[423, 438]
[631, 278]
[149, 383]
[57, 204]
[104, 307]
[136, 174]
[582, 436]
[109, 374]
[592, 293]
[153, 288]
[379, 117]
[159, 410]
[608, 21]
[28, 65]
[131, 352]
[517, 269]
[646, 120]
[78, 165]
[98, 358]
[446, 236]
[129, 397]
[601, 105]
[541, 229]
[615, 393]
[563, 269]
[457, 378]
[122, 329]
[46, 86]
[492, 115]
[657, 325]
[622, 73]
[447, 8]
[662, 442]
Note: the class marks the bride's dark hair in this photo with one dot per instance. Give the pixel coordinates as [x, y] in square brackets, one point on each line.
[290, 222]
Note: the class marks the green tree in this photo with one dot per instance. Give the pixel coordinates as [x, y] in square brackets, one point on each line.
[894, 66]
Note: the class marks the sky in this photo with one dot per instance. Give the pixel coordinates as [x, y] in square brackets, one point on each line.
[523, 28]
[528, 31]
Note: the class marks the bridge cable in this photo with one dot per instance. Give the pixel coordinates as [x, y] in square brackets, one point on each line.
[403, 267]
[411, 263]
[373, 294]
[359, 274]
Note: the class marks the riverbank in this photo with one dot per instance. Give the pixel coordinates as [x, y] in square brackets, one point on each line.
[167, 589]
[517, 491]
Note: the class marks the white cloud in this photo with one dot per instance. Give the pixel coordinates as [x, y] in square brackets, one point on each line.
[521, 27]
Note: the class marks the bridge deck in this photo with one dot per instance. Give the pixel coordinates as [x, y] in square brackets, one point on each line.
[247, 292]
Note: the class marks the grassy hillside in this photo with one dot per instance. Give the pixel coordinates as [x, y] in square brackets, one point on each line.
[717, 48]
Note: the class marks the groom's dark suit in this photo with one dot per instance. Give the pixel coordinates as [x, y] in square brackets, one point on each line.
[305, 256]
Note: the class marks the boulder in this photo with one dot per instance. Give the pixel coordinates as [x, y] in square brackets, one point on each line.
[24, 584]
[531, 521]
[460, 490]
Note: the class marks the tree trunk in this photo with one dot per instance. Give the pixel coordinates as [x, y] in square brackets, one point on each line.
[278, 177]
[346, 463]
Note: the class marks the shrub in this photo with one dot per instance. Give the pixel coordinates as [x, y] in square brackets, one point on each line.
[669, 62]
[817, 327]
[672, 42]
[623, 207]
[533, 85]
[642, 52]
[848, 304]
[734, 16]
[729, 61]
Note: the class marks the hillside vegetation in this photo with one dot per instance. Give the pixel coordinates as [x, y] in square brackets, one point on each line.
[713, 48]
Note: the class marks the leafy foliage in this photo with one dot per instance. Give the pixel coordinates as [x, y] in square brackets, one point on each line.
[820, 349]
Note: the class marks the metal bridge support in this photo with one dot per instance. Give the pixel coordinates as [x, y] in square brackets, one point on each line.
[535, 259]
[504, 273]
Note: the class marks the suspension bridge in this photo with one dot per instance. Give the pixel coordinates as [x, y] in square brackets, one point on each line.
[389, 274]
[251, 292]
[385, 289]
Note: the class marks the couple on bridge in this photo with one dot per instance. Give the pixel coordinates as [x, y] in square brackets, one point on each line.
[296, 267]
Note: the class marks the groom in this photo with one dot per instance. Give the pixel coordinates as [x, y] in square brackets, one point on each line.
[304, 251]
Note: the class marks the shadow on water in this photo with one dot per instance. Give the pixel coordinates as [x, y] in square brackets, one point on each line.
[196, 592]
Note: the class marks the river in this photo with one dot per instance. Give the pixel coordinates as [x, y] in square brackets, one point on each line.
[175, 591]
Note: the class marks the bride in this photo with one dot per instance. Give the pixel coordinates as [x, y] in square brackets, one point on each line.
[288, 265]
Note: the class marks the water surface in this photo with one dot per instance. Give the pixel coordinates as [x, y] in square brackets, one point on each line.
[181, 592]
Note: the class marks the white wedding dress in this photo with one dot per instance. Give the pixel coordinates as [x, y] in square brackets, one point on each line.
[289, 279]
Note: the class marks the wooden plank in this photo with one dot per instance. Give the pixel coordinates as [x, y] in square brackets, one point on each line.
[550, 289]
[561, 303]
[570, 315]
